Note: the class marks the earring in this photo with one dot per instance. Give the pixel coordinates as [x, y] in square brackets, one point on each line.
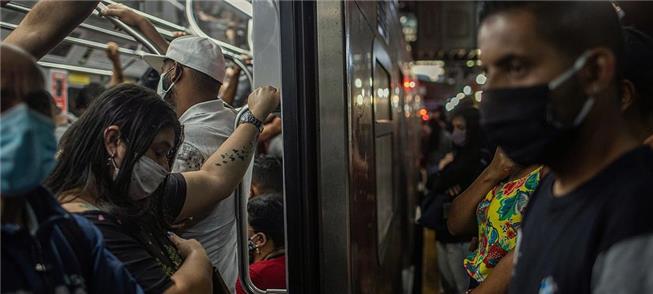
[258, 251]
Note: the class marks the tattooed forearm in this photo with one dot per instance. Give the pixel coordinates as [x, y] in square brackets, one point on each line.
[236, 154]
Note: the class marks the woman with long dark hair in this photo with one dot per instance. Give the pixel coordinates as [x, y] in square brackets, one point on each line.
[113, 169]
[455, 171]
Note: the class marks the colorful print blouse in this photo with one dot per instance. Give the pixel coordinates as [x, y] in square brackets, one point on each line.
[499, 216]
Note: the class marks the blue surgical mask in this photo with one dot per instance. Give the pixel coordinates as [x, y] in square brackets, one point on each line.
[27, 148]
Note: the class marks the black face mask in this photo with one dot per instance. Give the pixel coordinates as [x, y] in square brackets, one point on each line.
[522, 120]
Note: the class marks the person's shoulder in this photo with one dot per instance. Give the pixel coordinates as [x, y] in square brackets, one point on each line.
[629, 199]
[266, 267]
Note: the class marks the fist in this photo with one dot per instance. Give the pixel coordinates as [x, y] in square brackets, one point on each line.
[263, 101]
[112, 50]
[187, 246]
[501, 166]
[123, 13]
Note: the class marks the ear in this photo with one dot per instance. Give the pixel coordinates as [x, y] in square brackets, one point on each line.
[599, 72]
[111, 138]
[627, 95]
[260, 240]
[177, 72]
[253, 190]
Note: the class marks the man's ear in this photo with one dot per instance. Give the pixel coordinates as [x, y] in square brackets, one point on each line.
[599, 71]
[111, 138]
[628, 94]
[177, 73]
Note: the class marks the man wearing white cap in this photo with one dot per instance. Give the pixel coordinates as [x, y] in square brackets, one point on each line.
[192, 71]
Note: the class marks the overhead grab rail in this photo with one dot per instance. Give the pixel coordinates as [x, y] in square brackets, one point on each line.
[84, 69]
[240, 197]
[81, 42]
[232, 52]
[129, 30]
[154, 19]
[23, 9]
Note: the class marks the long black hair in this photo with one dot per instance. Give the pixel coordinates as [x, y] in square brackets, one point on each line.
[470, 159]
[83, 160]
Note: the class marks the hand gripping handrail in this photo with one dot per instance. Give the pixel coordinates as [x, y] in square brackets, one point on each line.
[80, 41]
[23, 9]
[240, 196]
[129, 30]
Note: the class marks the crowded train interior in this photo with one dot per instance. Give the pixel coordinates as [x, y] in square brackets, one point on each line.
[288, 146]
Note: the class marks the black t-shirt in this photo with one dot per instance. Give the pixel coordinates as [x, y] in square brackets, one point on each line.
[142, 245]
[596, 239]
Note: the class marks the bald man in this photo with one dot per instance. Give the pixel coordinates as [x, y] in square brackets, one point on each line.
[44, 249]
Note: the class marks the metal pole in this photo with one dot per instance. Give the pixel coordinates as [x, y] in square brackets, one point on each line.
[240, 196]
[81, 42]
[87, 70]
[23, 9]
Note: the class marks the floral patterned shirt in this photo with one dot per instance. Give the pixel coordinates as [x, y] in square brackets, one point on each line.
[499, 216]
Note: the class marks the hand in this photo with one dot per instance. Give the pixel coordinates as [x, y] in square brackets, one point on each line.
[187, 246]
[124, 13]
[454, 191]
[446, 160]
[246, 59]
[176, 35]
[263, 101]
[112, 51]
[501, 166]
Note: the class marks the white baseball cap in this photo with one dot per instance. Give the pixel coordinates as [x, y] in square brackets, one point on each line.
[198, 53]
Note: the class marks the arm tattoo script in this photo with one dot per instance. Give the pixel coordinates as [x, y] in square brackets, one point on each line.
[235, 154]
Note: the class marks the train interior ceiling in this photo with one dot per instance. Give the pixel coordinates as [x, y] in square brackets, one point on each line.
[357, 80]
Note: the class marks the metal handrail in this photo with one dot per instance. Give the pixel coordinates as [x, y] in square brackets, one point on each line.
[129, 30]
[81, 42]
[16, 7]
[24, 9]
[241, 194]
[88, 70]
[154, 19]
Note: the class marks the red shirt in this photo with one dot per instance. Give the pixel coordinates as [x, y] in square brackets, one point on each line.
[267, 274]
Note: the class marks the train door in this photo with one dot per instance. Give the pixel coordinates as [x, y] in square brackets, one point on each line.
[346, 205]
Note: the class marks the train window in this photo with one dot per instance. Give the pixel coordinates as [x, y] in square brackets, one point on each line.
[383, 147]
[223, 22]
[382, 109]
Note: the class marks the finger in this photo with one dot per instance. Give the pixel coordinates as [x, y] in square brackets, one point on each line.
[174, 238]
[112, 12]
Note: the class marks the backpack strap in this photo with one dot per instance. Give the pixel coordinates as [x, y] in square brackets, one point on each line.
[80, 245]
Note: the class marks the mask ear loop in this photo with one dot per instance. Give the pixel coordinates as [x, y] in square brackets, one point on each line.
[555, 83]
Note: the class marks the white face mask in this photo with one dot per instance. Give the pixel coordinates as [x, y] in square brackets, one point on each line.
[147, 176]
[159, 87]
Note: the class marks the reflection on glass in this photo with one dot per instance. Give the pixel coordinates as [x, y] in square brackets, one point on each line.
[221, 21]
